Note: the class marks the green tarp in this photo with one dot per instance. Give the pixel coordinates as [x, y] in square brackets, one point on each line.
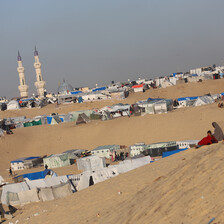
[32, 123]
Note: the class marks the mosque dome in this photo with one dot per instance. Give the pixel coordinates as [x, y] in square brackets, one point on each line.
[65, 88]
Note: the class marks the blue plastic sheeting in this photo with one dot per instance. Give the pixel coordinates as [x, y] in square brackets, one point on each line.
[32, 157]
[99, 89]
[17, 161]
[154, 99]
[194, 75]
[187, 98]
[169, 153]
[35, 176]
[222, 94]
[76, 92]
[49, 119]
[25, 100]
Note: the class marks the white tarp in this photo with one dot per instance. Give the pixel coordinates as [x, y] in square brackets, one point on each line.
[131, 164]
[203, 100]
[98, 176]
[29, 196]
[13, 105]
[14, 188]
[91, 163]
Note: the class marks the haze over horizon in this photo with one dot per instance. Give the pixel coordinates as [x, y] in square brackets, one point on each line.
[88, 42]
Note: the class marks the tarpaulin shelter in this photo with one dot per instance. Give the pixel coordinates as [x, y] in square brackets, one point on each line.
[35, 175]
[13, 105]
[156, 149]
[82, 119]
[75, 114]
[54, 119]
[91, 163]
[57, 160]
[105, 151]
[203, 100]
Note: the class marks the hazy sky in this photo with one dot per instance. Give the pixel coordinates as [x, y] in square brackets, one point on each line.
[96, 41]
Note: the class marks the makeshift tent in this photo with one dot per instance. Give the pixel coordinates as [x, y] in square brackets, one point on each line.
[82, 119]
[130, 164]
[97, 176]
[57, 160]
[91, 163]
[157, 149]
[163, 106]
[35, 175]
[29, 196]
[13, 105]
[105, 151]
[53, 119]
[203, 100]
[186, 144]
[75, 114]
[32, 123]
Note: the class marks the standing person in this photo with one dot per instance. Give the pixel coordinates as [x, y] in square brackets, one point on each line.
[10, 171]
[218, 133]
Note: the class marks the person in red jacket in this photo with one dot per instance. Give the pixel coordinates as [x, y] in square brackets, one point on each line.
[210, 139]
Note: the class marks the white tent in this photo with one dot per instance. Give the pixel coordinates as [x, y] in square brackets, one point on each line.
[130, 164]
[203, 100]
[13, 105]
[91, 163]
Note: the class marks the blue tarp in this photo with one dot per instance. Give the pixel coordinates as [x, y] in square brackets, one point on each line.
[194, 75]
[36, 175]
[187, 98]
[169, 153]
[49, 119]
[76, 92]
[154, 99]
[99, 89]
[22, 159]
[32, 157]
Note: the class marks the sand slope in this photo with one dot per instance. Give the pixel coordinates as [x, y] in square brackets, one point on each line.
[184, 188]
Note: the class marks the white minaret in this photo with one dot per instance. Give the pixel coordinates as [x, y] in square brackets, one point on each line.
[40, 84]
[23, 88]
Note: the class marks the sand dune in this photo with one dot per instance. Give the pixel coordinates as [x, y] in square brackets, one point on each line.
[184, 188]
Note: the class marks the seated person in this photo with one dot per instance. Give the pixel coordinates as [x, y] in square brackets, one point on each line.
[210, 139]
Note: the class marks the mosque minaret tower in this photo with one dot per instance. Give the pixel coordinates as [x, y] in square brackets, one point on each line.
[40, 84]
[23, 88]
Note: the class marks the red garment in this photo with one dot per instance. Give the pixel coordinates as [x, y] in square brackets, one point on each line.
[208, 140]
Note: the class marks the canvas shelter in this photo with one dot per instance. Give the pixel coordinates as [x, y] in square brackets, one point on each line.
[138, 88]
[186, 101]
[97, 176]
[82, 119]
[13, 105]
[105, 151]
[75, 114]
[91, 163]
[163, 106]
[203, 100]
[57, 160]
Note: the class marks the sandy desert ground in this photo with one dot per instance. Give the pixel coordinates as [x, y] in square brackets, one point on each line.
[184, 188]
